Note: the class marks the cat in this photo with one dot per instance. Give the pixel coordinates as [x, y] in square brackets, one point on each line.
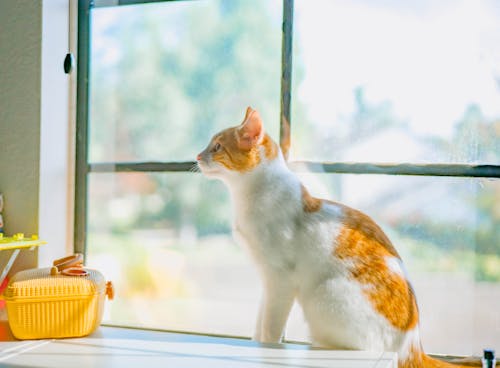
[335, 261]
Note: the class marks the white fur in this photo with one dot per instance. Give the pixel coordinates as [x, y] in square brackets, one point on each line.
[294, 253]
[396, 266]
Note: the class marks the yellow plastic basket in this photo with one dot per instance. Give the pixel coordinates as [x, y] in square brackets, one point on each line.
[66, 300]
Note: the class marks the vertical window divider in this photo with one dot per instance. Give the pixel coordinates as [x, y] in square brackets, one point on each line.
[82, 126]
[286, 76]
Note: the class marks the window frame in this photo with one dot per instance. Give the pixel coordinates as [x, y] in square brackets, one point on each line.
[83, 167]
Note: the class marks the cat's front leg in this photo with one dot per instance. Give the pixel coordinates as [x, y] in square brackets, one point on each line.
[257, 335]
[277, 301]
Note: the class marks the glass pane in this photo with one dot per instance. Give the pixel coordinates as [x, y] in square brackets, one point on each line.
[166, 76]
[164, 241]
[447, 231]
[389, 81]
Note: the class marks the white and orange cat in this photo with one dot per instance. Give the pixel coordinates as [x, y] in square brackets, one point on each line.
[333, 260]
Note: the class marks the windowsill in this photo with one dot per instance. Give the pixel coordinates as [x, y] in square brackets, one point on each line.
[123, 347]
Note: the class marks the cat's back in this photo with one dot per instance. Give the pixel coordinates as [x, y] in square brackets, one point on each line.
[358, 272]
[337, 240]
[354, 234]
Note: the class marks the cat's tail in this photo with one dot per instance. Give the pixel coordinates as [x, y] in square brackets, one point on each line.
[418, 359]
[412, 355]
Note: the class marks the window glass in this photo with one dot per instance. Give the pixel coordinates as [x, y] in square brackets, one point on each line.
[166, 76]
[447, 231]
[372, 82]
[165, 241]
[388, 81]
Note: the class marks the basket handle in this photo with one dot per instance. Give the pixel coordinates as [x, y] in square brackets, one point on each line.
[74, 260]
[110, 290]
[75, 271]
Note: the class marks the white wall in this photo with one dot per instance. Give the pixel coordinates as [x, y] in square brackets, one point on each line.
[55, 214]
[34, 164]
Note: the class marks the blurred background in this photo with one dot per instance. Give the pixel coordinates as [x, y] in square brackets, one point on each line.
[383, 81]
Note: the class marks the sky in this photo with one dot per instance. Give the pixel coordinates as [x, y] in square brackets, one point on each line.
[430, 59]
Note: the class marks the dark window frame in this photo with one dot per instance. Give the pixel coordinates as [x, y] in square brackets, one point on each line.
[83, 167]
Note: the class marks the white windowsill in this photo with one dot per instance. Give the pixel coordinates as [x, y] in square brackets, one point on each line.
[122, 347]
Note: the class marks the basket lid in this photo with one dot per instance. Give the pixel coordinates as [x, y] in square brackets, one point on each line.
[39, 283]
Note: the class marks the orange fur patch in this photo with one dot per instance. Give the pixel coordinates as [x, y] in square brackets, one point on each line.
[310, 203]
[363, 242]
[285, 136]
[270, 147]
[362, 223]
[236, 159]
[415, 359]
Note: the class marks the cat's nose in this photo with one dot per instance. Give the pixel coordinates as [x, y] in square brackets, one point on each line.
[198, 158]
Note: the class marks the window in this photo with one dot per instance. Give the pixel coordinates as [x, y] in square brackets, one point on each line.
[393, 109]
[163, 78]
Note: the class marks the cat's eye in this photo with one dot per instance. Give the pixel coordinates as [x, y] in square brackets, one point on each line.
[216, 147]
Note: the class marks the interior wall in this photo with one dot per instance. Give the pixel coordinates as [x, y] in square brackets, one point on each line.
[55, 214]
[33, 124]
[20, 82]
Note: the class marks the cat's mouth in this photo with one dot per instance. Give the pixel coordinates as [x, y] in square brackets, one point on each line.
[206, 170]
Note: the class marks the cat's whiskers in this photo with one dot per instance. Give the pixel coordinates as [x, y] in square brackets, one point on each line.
[194, 168]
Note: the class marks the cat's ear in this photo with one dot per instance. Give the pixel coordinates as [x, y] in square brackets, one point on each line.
[251, 131]
[247, 114]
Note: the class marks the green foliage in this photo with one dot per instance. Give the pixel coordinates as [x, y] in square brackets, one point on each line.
[181, 77]
[178, 79]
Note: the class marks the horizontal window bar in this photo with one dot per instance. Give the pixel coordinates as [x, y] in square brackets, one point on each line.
[462, 170]
[142, 167]
[108, 3]
[486, 171]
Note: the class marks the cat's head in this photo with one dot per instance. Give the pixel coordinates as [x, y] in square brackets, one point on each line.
[239, 149]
